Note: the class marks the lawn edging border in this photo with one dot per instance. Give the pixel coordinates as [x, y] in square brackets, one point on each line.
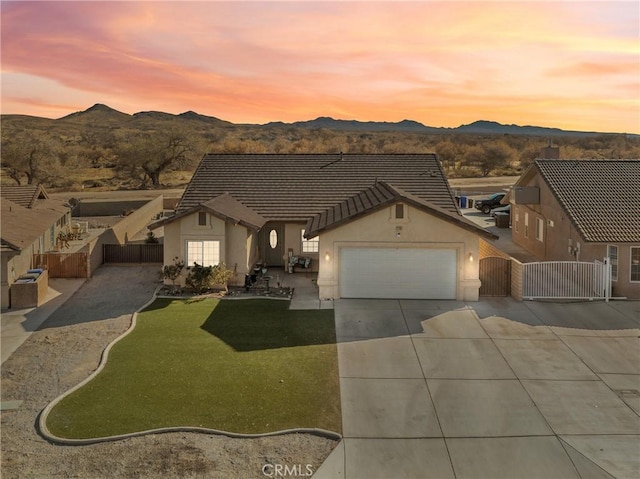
[49, 436]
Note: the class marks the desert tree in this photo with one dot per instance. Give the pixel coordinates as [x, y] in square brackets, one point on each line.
[148, 154]
[489, 156]
[30, 155]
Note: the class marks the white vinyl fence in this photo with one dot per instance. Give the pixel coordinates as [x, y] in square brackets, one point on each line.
[566, 280]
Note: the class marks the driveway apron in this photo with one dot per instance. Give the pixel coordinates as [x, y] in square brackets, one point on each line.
[493, 389]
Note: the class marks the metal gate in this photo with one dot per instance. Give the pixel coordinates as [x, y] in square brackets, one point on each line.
[566, 280]
[495, 276]
[133, 253]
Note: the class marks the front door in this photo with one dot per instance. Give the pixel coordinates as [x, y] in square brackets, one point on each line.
[272, 244]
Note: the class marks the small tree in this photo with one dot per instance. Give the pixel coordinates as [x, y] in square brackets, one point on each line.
[221, 275]
[172, 272]
[151, 238]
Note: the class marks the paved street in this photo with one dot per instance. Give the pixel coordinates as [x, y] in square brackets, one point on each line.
[494, 389]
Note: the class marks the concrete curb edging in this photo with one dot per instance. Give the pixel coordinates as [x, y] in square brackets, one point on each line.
[42, 417]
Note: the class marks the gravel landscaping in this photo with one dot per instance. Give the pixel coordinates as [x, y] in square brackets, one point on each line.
[65, 350]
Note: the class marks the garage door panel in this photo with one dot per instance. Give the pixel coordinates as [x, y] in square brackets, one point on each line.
[406, 273]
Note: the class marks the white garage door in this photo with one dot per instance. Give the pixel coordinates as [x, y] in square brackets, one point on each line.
[398, 273]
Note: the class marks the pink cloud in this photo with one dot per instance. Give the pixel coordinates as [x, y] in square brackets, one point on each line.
[434, 61]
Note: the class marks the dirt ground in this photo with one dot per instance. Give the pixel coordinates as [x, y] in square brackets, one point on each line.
[65, 350]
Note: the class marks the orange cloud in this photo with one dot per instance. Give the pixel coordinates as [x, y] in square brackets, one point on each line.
[442, 63]
[597, 69]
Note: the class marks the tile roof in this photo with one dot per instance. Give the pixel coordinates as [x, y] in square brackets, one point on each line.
[225, 207]
[24, 195]
[379, 196]
[22, 226]
[602, 197]
[295, 187]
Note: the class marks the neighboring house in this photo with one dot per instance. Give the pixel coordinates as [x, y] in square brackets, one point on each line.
[582, 210]
[380, 226]
[30, 224]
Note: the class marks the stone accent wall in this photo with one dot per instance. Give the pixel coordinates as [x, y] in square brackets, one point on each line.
[516, 279]
[487, 250]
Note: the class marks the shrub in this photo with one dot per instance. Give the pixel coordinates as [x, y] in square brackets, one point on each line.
[221, 275]
[202, 278]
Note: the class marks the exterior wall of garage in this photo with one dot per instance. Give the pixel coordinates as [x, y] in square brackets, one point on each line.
[416, 230]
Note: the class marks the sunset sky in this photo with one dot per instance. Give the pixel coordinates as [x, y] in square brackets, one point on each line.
[566, 64]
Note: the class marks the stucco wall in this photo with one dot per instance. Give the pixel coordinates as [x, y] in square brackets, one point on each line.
[30, 295]
[236, 253]
[418, 230]
[128, 226]
[237, 245]
[102, 207]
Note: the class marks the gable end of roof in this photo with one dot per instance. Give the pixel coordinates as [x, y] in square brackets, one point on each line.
[377, 197]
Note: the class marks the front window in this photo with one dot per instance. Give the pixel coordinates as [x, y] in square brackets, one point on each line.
[205, 253]
[539, 229]
[635, 263]
[310, 245]
[526, 225]
[399, 211]
[612, 253]
[202, 218]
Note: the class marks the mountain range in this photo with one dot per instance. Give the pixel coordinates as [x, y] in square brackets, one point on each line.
[107, 115]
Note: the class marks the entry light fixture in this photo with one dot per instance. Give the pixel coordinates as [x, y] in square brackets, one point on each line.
[398, 231]
[327, 256]
[471, 257]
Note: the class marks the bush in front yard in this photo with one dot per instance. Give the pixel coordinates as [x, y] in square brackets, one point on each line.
[201, 278]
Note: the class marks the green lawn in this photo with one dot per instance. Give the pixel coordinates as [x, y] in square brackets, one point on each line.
[244, 366]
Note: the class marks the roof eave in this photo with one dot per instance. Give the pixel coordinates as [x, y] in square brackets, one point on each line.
[217, 214]
[439, 214]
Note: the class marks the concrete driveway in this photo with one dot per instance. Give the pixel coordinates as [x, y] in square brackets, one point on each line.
[494, 389]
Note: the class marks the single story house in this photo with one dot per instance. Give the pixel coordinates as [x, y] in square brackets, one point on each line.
[30, 223]
[371, 226]
[582, 210]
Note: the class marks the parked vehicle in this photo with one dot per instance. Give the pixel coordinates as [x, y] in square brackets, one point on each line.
[501, 209]
[487, 204]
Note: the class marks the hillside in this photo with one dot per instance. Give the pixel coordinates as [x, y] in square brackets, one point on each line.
[480, 127]
[104, 115]
[106, 149]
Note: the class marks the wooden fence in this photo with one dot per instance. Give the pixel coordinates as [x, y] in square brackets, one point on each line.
[495, 276]
[64, 265]
[133, 253]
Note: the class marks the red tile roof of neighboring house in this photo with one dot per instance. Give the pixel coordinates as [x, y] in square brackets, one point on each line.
[376, 197]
